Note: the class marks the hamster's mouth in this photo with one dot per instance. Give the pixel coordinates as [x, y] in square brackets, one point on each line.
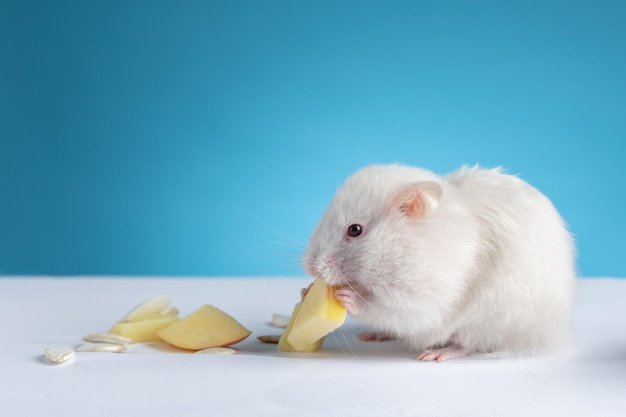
[339, 281]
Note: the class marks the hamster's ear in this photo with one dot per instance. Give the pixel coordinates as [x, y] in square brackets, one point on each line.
[419, 199]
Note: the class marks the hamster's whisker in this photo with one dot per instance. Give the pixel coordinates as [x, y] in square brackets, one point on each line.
[345, 345]
[361, 297]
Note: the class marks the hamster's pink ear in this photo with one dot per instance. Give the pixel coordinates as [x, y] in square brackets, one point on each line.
[418, 200]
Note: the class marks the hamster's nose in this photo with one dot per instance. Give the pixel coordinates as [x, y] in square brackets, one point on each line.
[328, 268]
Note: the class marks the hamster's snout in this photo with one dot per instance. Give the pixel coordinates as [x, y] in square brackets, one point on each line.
[324, 266]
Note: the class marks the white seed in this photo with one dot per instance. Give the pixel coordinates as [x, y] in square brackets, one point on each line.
[169, 311]
[107, 338]
[280, 320]
[101, 347]
[58, 354]
[217, 351]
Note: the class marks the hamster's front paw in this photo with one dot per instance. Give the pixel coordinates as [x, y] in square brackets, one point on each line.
[349, 298]
[305, 291]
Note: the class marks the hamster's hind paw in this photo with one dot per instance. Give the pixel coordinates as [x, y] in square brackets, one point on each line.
[443, 354]
[374, 337]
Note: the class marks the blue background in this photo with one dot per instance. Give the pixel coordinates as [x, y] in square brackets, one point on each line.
[207, 137]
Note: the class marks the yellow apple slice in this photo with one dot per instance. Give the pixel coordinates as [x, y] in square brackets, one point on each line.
[285, 346]
[319, 314]
[143, 330]
[206, 327]
[148, 308]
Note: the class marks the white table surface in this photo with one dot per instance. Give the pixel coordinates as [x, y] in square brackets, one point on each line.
[345, 378]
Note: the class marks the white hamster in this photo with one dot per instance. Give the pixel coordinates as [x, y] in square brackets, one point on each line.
[476, 261]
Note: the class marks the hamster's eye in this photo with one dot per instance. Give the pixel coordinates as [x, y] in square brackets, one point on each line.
[355, 230]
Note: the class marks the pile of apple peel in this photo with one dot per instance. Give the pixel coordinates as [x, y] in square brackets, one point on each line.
[318, 314]
[155, 321]
[210, 330]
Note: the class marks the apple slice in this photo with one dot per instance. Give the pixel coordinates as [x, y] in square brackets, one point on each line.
[206, 327]
[143, 330]
[319, 314]
[285, 346]
[148, 308]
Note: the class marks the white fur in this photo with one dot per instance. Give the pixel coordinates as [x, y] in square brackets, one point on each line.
[490, 269]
